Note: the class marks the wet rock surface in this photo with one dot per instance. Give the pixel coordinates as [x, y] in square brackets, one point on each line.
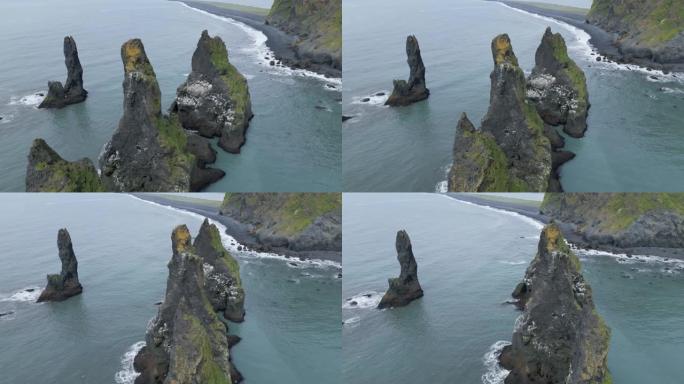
[65, 284]
[405, 288]
[72, 92]
[413, 90]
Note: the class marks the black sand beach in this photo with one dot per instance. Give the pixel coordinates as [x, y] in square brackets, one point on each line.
[236, 229]
[278, 41]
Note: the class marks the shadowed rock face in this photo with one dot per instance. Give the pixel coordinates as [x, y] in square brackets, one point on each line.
[72, 92]
[559, 338]
[148, 150]
[48, 172]
[63, 286]
[214, 100]
[221, 274]
[186, 342]
[405, 288]
[414, 90]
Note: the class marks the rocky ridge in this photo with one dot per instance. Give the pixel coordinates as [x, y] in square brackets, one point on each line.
[405, 288]
[72, 92]
[559, 338]
[65, 284]
[48, 172]
[413, 90]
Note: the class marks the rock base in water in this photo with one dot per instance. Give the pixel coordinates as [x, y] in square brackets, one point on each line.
[405, 288]
[413, 90]
[65, 284]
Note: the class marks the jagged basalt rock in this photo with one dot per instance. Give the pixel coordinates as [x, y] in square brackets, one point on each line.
[413, 90]
[72, 92]
[559, 338]
[64, 285]
[186, 343]
[558, 87]
[222, 274]
[148, 151]
[48, 172]
[214, 100]
[510, 151]
[405, 288]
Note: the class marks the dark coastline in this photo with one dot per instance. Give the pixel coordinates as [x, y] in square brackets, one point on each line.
[278, 41]
[601, 41]
[238, 230]
[569, 232]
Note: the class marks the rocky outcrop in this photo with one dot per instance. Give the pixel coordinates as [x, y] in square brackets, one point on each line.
[48, 172]
[649, 33]
[405, 288]
[295, 221]
[148, 150]
[186, 343]
[318, 27]
[72, 92]
[620, 220]
[559, 338]
[221, 274]
[413, 90]
[202, 175]
[64, 285]
[214, 100]
[510, 151]
[558, 87]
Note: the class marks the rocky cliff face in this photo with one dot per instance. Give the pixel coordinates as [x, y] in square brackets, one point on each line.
[148, 150]
[318, 27]
[64, 285]
[72, 92]
[413, 90]
[559, 338]
[297, 221]
[48, 172]
[186, 343]
[511, 126]
[214, 100]
[623, 220]
[646, 32]
[405, 288]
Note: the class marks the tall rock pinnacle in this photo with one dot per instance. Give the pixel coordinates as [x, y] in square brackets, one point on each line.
[414, 90]
[63, 286]
[405, 288]
[72, 92]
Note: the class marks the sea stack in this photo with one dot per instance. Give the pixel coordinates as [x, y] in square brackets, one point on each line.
[221, 274]
[186, 343]
[405, 288]
[148, 150]
[72, 92]
[559, 338]
[558, 87]
[510, 151]
[48, 172]
[64, 285]
[214, 100]
[414, 90]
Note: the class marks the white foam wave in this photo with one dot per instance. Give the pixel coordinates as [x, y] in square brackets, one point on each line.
[31, 100]
[495, 373]
[232, 245]
[352, 321]
[518, 262]
[623, 258]
[127, 374]
[261, 51]
[377, 98]
[537, 224]
[24, 295]
[6, 118]
[369, 299]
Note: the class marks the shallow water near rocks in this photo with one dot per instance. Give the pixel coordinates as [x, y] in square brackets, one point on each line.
[291, 145]
[635, 130]
[469, 260]
[290, 334]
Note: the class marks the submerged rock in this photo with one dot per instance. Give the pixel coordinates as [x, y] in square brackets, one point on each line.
[63, 286]
[559, 338]
[558, 87]
[215, 99]
[72, 92]
[405, 288]
[148, 150]
[414, 90]
[510, 152]
[186, 343]
[221, 273]
[48, 172]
